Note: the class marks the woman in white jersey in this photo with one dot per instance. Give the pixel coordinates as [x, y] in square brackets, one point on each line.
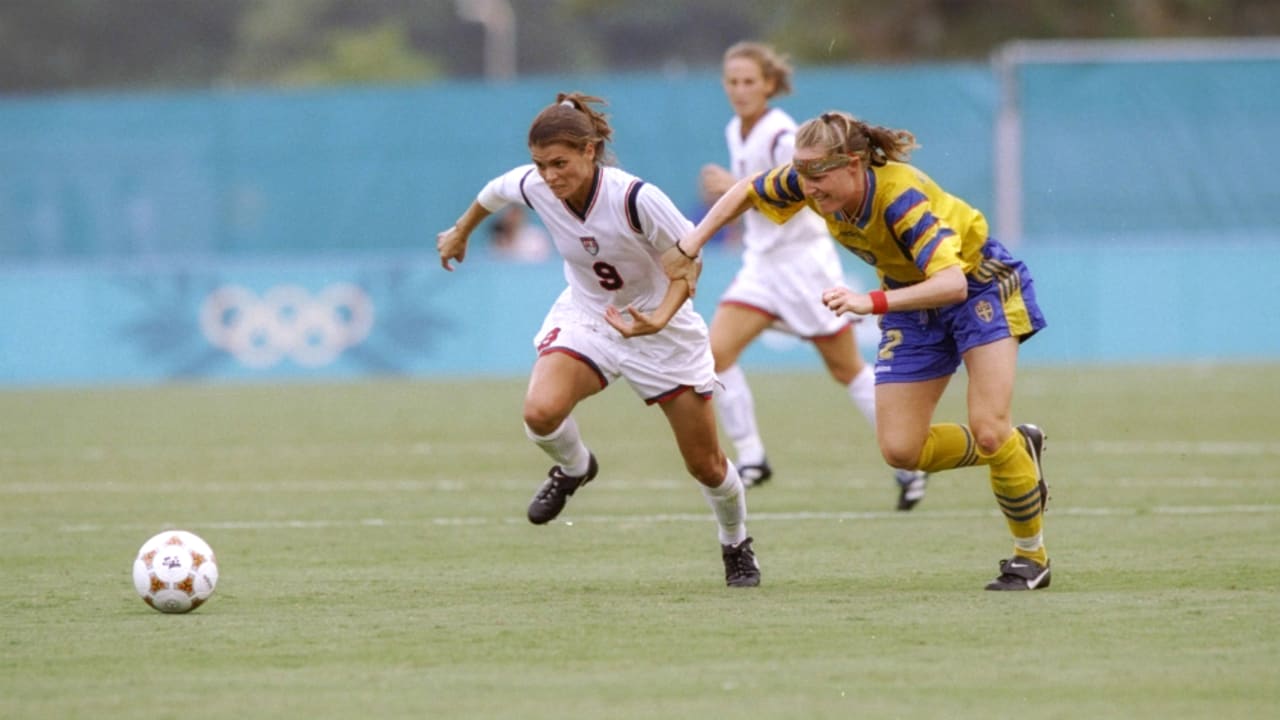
[619, 317]
[785, 269]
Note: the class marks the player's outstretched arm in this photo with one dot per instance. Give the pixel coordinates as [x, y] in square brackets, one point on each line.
[642, 324]
[452, 243]
[679, 261]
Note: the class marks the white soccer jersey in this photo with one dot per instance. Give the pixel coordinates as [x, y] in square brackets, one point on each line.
[612, 251]
[771, 143]
[612, 257]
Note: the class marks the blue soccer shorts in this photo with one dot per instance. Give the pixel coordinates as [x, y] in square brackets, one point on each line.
[919, 345]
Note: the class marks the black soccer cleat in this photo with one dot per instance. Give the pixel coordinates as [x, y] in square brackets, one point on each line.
[1020, 573]
[911, 487]
[753, 475]
[555, 491]
[740, 566]
[1034, 438]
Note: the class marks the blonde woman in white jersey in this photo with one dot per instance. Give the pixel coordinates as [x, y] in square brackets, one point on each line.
[619, 317]
[785, 269]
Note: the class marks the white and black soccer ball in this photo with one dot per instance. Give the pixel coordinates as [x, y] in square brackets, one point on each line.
[175, 571]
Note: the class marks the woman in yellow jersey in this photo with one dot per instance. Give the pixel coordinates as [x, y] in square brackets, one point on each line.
[950, 293]
[785, 268]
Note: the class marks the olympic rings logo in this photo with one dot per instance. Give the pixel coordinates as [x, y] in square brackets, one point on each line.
[287, 321]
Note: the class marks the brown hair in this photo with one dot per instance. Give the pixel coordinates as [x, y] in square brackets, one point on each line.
[773, 65]
[572, 121]
[838, 132]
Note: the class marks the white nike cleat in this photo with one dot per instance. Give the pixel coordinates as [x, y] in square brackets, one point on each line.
[753, 475]
[1020, 573]
[911, 487]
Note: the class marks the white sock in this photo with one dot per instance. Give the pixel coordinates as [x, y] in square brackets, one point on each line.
[863, 393]
[1030, 544]
[737, 409]
[564, 445]
[729, 503]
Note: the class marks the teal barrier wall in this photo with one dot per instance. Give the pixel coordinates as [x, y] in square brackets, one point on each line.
[1151, 150]
[253, 235]
[375, 170]
[352, 317]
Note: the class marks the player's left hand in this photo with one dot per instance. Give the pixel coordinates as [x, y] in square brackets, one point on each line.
[638, 324]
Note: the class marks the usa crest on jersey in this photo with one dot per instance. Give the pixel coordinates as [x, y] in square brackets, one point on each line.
[590, 245]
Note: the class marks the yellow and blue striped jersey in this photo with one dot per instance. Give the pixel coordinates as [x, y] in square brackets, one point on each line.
[908, 227]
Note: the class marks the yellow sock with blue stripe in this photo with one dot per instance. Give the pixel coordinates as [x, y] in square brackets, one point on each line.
[948, 446]
[1015, 482]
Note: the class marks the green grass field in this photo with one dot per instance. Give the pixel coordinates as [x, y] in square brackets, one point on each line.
[375, 560]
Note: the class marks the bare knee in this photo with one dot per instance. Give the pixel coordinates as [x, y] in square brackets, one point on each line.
[708, 468]
[840, 353]
[899, 454]
[543, 418]
[844, 369]
[843, 374]
[725, 356]
[989, 435]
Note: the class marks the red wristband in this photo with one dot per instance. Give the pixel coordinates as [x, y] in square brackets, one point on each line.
[879, 303]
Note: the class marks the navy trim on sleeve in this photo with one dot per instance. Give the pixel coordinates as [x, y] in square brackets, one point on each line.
[522, 193]
[633, 212]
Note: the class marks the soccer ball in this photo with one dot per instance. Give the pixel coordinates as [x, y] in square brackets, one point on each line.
[175, 571]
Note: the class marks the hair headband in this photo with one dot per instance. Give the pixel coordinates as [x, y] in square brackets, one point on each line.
[818, 166]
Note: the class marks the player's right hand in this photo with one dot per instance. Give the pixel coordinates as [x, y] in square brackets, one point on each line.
[715, 180]
[452, 245]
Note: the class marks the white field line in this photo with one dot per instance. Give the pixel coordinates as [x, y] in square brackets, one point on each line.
[1169, 447]
[492, 448]
[522, 483]
[679, 518]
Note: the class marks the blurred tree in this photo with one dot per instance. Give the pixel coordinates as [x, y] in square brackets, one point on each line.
[317, 42]
[379, 54]
[834, 31]
[76, 44]
[81, 44]
[629, 35]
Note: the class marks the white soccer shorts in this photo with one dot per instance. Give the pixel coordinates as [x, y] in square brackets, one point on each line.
[787, 284]
[654, 365]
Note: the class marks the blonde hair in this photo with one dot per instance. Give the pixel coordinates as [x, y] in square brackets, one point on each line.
[773, 65]
[836, 133]
[571, 120]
